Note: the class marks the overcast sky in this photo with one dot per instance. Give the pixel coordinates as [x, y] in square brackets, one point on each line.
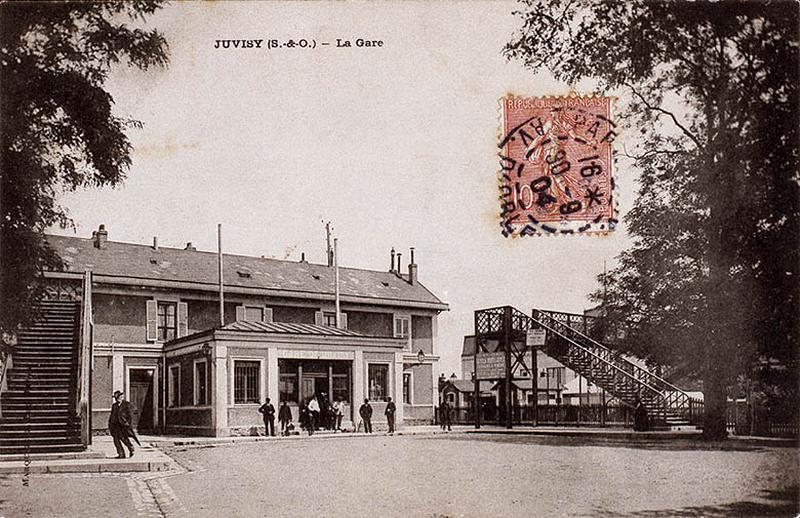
[396, 146]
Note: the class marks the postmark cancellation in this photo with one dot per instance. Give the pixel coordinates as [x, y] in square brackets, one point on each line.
[556, 165]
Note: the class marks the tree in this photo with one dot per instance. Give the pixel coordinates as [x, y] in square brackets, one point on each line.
[58, 129]
[710, 282]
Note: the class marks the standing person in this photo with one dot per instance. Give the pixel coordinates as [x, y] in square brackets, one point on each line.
[323, 411]
[284, 418]
[268, 412]
[390, 411]
[120, 425]
[338, 414]
[313, 414]
[444, 415]
[366, 415]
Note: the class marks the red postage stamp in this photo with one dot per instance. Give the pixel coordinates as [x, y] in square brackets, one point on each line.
[556, 165]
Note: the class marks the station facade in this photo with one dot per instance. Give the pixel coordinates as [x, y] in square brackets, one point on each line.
[157, 335]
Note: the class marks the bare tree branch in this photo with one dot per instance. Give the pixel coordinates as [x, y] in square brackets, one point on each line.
[659, 109]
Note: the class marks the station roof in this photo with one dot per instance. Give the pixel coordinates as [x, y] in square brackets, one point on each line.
[287, 328]
[284, 278]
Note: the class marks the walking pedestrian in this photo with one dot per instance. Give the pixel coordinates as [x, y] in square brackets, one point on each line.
[268, 412]
[285, 418]
[120, 425]
[366, 415]
[390, 411]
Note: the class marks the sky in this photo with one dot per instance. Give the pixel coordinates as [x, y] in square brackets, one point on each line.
[394, 145]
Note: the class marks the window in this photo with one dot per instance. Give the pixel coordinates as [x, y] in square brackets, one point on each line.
[200, 383]
[173, 386]
[253, 314]
[329, 319]
[401, 327]
[378, 382]
[407, 388]
[341, 381]
[287, 380]
[167, 321]
[245, 381]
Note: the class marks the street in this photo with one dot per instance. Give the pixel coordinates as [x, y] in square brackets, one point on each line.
[434, 476]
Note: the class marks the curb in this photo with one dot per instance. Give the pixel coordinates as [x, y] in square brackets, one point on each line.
[92, 467]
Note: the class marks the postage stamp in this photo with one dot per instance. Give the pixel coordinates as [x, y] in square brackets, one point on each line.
[556, 165]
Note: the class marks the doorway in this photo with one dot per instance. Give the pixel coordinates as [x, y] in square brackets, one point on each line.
[141, 395]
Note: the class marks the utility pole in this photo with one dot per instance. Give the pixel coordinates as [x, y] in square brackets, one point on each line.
[330, 252]
[221, 291]
[336, 291]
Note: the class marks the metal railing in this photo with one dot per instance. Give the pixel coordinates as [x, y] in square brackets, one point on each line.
[674, 400]
[82, 396]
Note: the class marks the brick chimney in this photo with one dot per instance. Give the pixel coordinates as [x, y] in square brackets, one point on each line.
[100, 237]
[412, 269]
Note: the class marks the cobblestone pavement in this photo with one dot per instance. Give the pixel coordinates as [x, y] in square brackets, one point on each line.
[430, 476]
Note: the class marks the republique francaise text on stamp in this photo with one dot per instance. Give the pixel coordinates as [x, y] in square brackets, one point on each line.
[556, 165]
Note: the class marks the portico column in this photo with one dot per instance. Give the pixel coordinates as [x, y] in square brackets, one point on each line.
[398, 388]
[220, 392]
[272, 375]
[358, 383]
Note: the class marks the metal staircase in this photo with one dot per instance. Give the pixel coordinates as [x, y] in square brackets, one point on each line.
[667, 405]
[38, 406]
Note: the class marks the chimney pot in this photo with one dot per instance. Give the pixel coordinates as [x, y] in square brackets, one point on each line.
[412, 270]
[392, 268]
[189, 246]
[155, 242]
[399, 260]
[100, 237]
[302, 257]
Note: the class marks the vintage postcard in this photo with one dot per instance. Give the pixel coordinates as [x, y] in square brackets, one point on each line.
[391, 259]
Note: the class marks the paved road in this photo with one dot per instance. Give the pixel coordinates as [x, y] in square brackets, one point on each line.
[451, 475]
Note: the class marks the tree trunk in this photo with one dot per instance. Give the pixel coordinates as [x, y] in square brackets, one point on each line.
[715, 398]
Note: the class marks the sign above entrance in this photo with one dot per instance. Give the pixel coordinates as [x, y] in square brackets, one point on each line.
[490, 365]
[535, 337]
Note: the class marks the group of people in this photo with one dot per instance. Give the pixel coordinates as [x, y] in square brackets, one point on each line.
[319, 412]
[365, 411]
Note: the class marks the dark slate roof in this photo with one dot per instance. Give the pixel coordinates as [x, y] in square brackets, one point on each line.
[174, 264]
[286, 328]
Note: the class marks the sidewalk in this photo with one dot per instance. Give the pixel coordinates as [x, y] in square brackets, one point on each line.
[99, 458]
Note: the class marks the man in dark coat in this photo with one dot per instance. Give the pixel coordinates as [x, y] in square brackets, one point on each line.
[366, 415]
[268, 412]
[641, 421]
[445, 415]
[120, 425]
[284, 418]
[390, 411]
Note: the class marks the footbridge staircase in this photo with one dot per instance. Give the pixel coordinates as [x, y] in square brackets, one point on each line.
[567, 340]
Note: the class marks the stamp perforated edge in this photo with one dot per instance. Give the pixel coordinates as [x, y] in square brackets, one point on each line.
[566, 228]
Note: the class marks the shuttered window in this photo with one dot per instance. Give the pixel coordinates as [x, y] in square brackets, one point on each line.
[167, 321]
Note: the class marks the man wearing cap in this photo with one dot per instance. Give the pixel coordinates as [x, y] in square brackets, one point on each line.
[119, 425]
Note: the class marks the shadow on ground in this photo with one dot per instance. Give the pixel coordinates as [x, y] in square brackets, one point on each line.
[780, 502]
[644, 442]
